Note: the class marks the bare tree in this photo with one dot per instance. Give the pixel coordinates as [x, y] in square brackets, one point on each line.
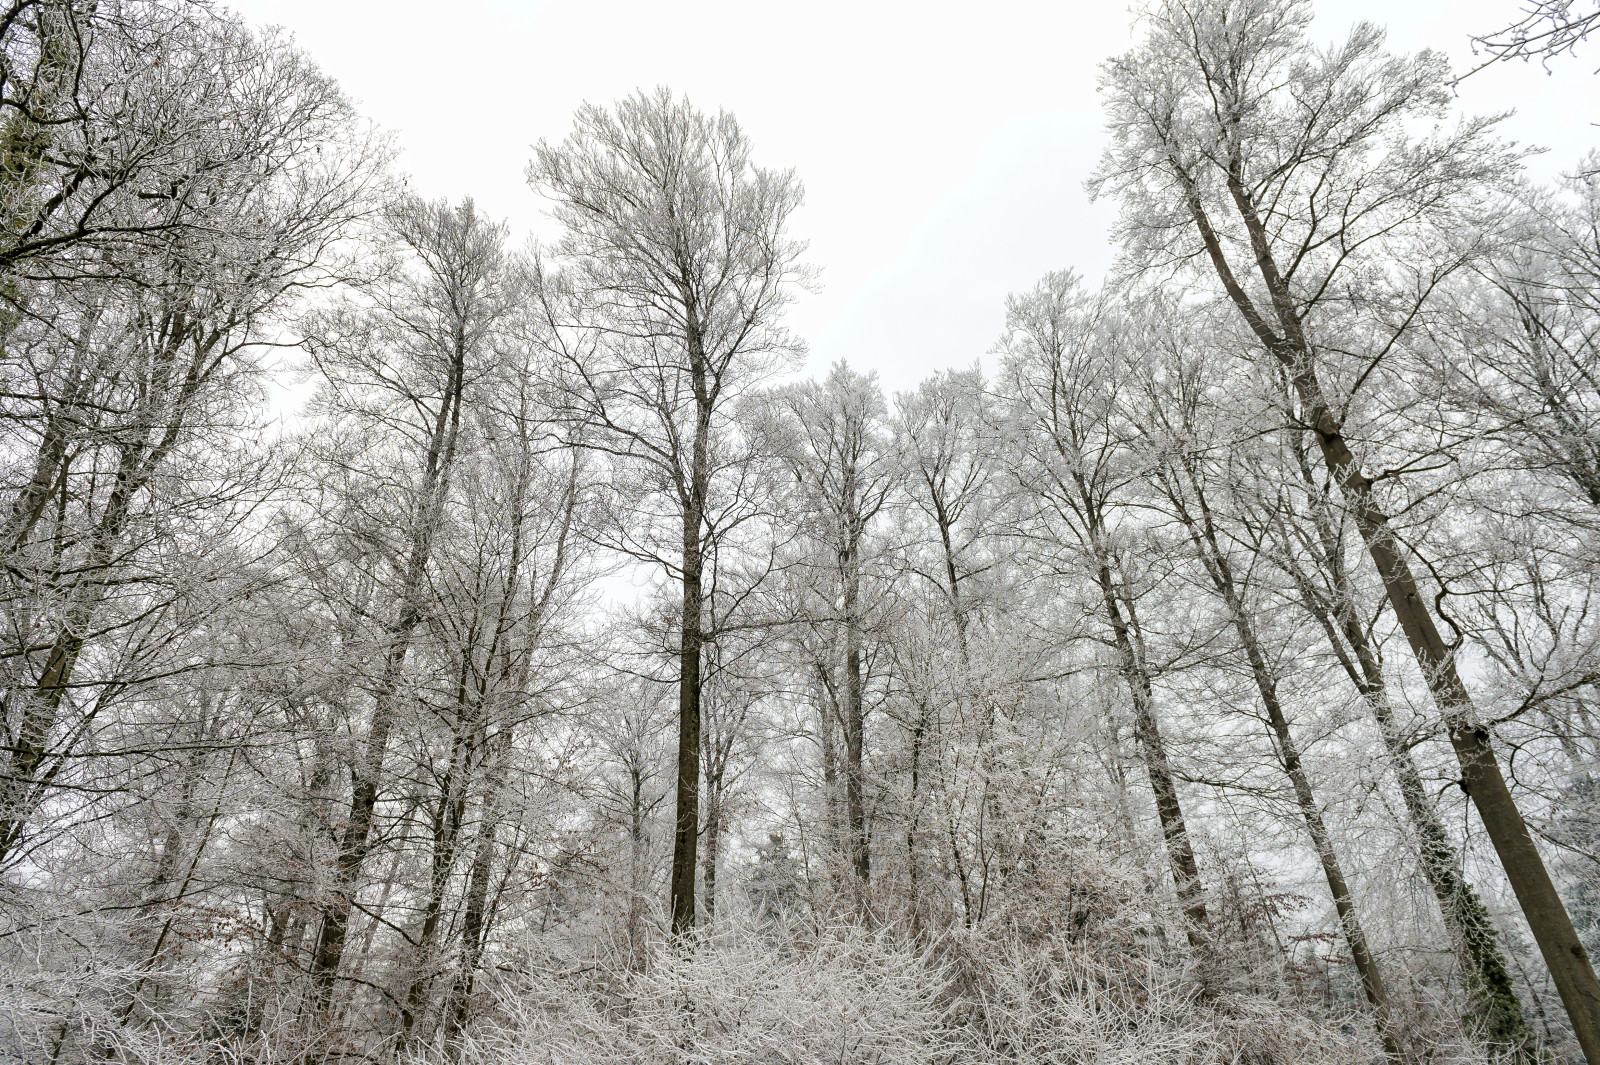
[1061, 381]
[399, 362]
[138, 374]
[1185, 436]
[677, 259]
[838, 454]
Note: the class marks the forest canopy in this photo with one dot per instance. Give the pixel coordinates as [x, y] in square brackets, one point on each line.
[1207, 672]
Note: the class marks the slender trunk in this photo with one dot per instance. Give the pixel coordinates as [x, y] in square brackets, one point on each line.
[24, 783]
[991, 816]
[1117, 772]
[474, 917]
[960, 863]
[913, 818]
[165, 887]
[52, 460]
[171, 382]
[636, 877]
[1371, 977]
[1147, 731]
[375, 916]
[827, 719]
[1497, 1016]
[958, 610]
[1481, 778]
[446, 841]
[854, 726]
[686, 835]
[355, 841]
[713, 848]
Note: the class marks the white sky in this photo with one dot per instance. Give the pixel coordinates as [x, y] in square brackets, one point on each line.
[943, 147]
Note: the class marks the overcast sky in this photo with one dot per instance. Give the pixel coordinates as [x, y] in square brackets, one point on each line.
[943, 148]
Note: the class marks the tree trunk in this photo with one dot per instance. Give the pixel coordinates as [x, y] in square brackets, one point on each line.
[685, 841]
[446, 842]
[356, 840]
[1481, 778]
[828, 716]
[23, 783]
[475, 910]
[713, 849]
[1146, 729]
[914, 818]
[854, 727]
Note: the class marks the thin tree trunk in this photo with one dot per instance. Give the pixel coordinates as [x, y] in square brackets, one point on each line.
[1202, 534]
[913, 819]
[474, 918]
[356, 840]
[828, 716]
[854, 726]
[446, 842]
[713, 852]
[636, 878]
[1174, 830]
[155, 429]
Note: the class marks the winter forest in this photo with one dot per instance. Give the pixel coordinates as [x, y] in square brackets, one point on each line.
[423, 643]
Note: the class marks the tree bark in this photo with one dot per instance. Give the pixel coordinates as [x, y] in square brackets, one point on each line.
[447, 819]
[854, 724]
[355, 841]
[713, 849]
[475, 910]
[1146, 729]
[1498, 1015]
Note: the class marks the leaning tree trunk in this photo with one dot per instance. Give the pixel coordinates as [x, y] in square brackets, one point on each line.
[1481, 778]
[1202, 534]
[1498, 1017]
[1147, 731]
[157, 429]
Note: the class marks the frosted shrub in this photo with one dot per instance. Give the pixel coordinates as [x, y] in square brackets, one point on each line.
[1065, 1004]
[849, 996]
[842, 998]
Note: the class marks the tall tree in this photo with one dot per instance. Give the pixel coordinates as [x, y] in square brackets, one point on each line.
[399, 361]
[1187, 441]
[1062, 381]
[838, 454]
[678, 265]
[138, 371]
